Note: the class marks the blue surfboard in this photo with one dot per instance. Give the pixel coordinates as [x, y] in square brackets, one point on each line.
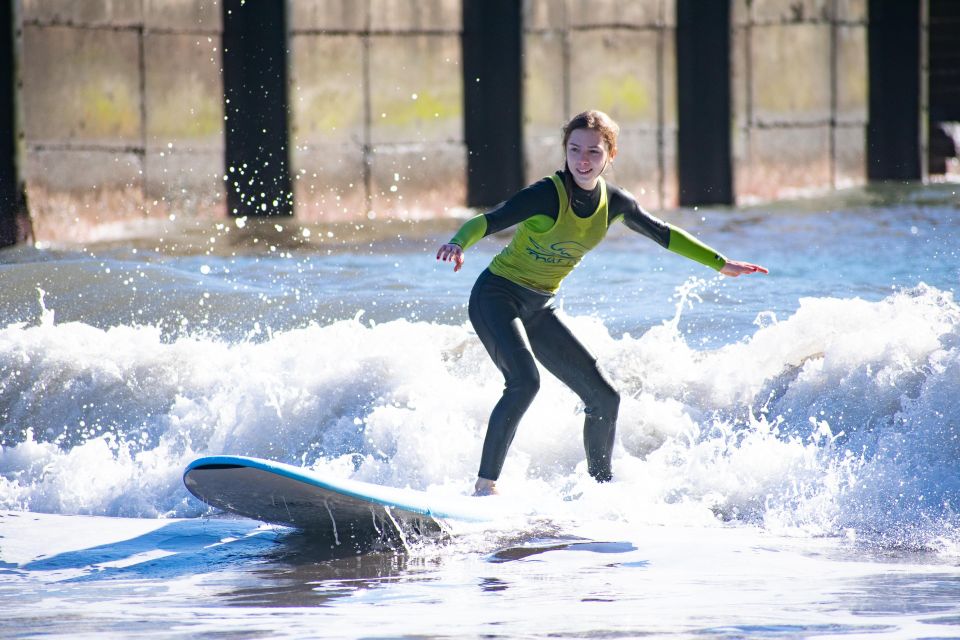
[344, 510]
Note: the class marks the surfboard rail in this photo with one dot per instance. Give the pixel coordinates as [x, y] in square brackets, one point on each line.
[343, 508]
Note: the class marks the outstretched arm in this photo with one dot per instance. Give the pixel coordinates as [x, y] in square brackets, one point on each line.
[686, 245]
[674, 238]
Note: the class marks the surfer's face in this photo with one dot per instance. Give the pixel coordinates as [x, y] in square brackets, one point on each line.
[587, 156]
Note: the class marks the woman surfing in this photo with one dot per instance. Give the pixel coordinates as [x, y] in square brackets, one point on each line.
[559, 219]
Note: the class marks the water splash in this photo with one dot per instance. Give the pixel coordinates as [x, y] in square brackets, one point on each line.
[837, 420]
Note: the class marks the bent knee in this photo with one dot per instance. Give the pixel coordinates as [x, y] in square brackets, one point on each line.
[605, 402]
[521, 375]
[525, 386]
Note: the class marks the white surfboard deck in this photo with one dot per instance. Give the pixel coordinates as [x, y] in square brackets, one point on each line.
[343, 509]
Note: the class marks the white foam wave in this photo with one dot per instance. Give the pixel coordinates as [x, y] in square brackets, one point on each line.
[841, 419]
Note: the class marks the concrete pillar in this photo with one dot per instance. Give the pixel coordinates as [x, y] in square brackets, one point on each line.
[944, 83]
[703, 102]
[493, 99]
[10, 187]
[256, 134]
[894, 145]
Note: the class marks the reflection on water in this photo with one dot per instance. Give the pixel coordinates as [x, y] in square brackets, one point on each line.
[238, 578]
[791, 631]
[908, 594]
[300, 572]
[537, 547]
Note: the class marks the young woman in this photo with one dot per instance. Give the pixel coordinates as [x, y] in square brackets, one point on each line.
[560, 219]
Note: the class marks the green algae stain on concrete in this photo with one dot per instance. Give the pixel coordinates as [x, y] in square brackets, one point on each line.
[415, 89]
[184, 90]
[185, 112]
[108, 109]
[625, 96]
[326, 89]
[95, 97]
[421, 108]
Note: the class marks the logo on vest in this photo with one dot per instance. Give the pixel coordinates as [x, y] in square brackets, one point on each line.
[566, 253]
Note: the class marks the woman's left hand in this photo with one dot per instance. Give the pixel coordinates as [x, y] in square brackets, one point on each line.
[733, 268]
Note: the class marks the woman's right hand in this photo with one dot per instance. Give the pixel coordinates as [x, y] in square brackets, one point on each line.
[452, 252]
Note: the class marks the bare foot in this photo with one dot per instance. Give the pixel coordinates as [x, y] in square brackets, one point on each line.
[485, 487]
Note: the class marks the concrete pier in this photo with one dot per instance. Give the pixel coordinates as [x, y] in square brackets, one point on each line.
[373, 109]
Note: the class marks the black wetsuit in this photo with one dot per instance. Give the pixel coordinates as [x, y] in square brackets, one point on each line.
[541, 197]
[503, 311]
[498, 309]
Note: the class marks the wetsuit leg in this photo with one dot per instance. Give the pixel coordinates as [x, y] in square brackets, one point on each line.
[496, 306]
[565, 357]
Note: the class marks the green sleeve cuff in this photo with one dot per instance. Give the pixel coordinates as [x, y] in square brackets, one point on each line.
[471, 231]
[687, 246]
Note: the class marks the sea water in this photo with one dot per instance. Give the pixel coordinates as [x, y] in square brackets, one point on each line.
[787, 461]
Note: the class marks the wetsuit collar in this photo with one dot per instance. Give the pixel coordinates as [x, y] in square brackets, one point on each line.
[584, 203]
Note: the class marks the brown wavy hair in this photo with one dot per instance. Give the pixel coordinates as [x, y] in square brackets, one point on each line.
[598, 120]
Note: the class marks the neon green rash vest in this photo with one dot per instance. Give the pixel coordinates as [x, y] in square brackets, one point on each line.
[540, 258]
[543, 251]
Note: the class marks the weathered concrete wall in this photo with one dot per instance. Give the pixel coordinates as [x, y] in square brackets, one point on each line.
[377, 108]
[800, 96]
[121, 110]
[614, 55]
